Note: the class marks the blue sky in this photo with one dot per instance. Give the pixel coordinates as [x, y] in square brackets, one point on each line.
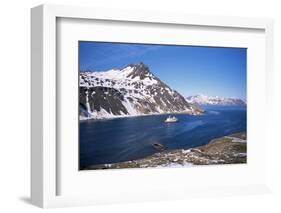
[190, 70]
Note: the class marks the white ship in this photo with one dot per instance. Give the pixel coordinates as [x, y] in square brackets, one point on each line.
[170, 119]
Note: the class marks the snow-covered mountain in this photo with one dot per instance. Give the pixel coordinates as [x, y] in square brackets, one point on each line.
[214, 100]
[131, 91]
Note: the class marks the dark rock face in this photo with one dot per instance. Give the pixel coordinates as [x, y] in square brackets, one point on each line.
[141, 71]
[107, 98]
[133, 90]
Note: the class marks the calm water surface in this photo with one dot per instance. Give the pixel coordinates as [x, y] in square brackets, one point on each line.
[122, 139]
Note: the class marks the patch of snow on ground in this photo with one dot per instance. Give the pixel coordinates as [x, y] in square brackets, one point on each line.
[185, 151]
[236, 140]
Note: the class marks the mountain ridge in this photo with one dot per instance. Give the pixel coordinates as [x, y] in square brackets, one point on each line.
[215, 100]
[131, 91]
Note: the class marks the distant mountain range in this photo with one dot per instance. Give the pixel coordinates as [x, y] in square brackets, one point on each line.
[215, 100]
[131, 91]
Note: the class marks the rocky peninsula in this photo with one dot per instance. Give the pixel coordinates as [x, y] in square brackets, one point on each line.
[231, 149]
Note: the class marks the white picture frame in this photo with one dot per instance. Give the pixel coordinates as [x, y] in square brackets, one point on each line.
[44, 149]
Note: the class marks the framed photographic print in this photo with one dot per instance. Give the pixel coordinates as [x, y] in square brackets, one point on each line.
[149, 114]
[149, 106]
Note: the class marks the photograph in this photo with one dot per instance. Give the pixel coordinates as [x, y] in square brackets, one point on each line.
[161, 105]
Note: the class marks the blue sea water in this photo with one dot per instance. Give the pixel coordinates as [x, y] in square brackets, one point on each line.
[123, 139]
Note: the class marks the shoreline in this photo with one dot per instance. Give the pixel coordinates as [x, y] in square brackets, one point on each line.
[198, 113]
[141, 115]
[229, 149]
